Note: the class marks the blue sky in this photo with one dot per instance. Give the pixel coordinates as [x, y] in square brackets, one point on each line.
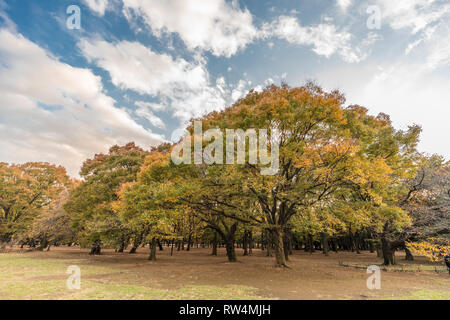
[138, 70]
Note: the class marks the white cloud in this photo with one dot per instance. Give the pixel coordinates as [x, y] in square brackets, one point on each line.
[240, 90]
[144, 112]
[344, 4]
[149, 105]
[406, 91]
[415, 15]
[214, 25]
[131, 65]
[51, 111]
[98, 6]
[181, 86]
[325, 38]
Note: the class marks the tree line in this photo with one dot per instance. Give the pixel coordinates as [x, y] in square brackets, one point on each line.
[347, 180]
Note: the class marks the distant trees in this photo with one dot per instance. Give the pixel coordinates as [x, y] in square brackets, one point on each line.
[27, 191]
[53, 225]
[428, 205]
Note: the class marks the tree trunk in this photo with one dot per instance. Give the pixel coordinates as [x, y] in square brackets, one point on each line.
[286, 244]
[388, 253]
[231, 254]
[122, 247]
[371, 246]
[214, 246]
[277, 238]
[96, 248]
[189, 244]
[408, 255]
[136, 242]
[269, 243]
[378, 249]
[357, 243]
[133, 249]
[153, 245]
[311, 243]
[325, 243]
[245, 243]
[160, 245]
[43, 244]
[171, 248]
[250, 243]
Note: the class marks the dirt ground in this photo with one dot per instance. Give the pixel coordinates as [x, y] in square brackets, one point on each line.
[311, 276]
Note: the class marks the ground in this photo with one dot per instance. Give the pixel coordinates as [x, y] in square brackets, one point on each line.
[198, 275]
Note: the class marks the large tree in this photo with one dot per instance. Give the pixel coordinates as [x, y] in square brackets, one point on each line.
[91, 203]
[325, 152]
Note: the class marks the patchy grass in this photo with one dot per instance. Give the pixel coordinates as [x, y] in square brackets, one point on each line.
[117, 292]
[197, 275]
[31, 278]
[401, 267]
[425, 295]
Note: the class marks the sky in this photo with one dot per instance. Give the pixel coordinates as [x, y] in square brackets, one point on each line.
[138, 70]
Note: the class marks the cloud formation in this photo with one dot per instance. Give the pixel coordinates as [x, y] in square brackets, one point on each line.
[325, 38]
[217, 26]
[182, 87]
[51, 111]
[98, 6]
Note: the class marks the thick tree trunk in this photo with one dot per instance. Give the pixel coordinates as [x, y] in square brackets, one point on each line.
[153, 245]
[388, 253]
[43, 244]
[231, 253]
[277, 237]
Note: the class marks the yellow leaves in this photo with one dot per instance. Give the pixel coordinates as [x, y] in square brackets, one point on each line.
[366, 172]
[329, 152]
[432, 248]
